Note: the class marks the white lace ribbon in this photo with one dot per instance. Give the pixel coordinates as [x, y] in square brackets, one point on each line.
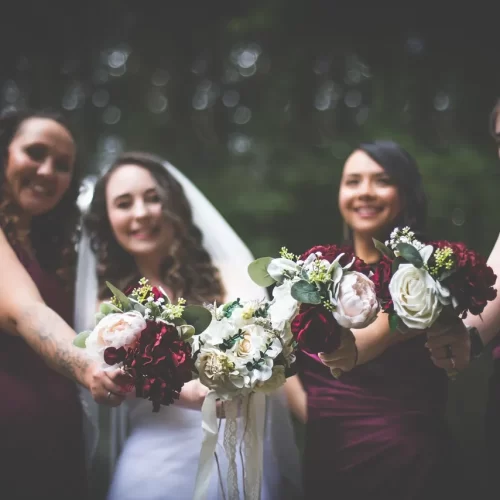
[253, 448]
[250, 425]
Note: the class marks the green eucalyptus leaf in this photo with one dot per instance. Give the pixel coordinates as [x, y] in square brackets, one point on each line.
[98, 317]
[81, 338]
[198, 317]
[108, 308]
[120, 296]
[257, 270]
[305, 292]
[186, 331]
[383, 249]
[410, 254]
[393, 322]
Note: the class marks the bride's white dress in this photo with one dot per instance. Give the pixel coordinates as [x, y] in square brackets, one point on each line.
[160, 456]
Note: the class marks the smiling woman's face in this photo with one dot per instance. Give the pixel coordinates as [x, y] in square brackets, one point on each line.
[369, 201]
[40, 165]
[135, 212]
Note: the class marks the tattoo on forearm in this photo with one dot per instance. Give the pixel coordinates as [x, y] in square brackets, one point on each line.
[51, 338]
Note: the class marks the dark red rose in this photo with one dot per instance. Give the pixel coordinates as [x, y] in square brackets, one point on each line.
[331, 252]
[161, 364]
[315, 329]
[472, 282]
[381, 277]
[112, 355]
[157, 294]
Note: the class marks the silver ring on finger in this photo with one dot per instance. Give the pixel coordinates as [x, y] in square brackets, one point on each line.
[453, 364]
[108, 397]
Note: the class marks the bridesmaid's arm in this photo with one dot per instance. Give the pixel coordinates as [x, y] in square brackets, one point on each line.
[23, 312]
[296, 397]
[488, 324]
[361, 346]
[376, 338]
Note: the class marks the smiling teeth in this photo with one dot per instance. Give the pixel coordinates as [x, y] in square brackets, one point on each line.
[39, 189]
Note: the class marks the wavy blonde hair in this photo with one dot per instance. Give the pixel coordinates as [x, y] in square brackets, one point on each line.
[187, 269]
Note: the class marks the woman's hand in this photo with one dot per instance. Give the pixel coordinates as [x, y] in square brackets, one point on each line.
[109, 387]
[449, 345]
[193, 395]
[343, 359]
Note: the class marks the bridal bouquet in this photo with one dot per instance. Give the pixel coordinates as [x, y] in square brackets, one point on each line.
[240, 357]
[319, 293]
[418, 281]
[242, 351]
[150, 338]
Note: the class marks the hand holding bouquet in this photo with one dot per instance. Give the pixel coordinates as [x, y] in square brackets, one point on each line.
[150, 338]
[319, 293]
[419, 281]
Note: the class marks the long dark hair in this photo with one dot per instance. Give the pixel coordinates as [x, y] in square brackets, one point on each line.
[53, 234]
[188, 268]
[403, 170]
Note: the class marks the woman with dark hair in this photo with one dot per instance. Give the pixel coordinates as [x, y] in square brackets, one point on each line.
[378, 431]
[41, 416]
[147, 220]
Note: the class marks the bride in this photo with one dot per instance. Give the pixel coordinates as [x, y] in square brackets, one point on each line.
[147, 219]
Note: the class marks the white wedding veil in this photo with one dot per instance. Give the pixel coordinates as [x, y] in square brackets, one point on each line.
[231, 256]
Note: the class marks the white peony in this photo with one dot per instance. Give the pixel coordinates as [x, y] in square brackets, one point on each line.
[416, 296]
[284, 306]
[115, 330]
[356, 303]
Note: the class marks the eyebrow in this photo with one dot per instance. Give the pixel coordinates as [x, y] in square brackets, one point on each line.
[378, 174]
[128, 195]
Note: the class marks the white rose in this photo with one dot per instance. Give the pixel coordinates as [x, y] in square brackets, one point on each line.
[284, 306]
[357, 305]
[115, 330]
[416, 297]
[276, 380]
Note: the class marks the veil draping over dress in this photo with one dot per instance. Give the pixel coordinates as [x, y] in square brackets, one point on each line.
[155, 455]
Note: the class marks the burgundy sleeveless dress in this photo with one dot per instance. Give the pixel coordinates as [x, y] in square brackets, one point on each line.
[41, 433]
[380, 430]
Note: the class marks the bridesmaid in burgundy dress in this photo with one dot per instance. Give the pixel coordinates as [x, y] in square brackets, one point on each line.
[378, 431]
[40, 414]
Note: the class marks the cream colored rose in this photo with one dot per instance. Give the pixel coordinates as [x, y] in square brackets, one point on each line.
[214, 368]
[357, 304]
[115, 330]
[415, 296]
[244, 346]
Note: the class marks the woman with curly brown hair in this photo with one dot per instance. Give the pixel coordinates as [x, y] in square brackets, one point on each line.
[146, 219]
[41, 420]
